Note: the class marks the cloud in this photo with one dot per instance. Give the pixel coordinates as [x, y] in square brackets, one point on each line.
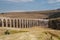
[20, 0]
[53, 1]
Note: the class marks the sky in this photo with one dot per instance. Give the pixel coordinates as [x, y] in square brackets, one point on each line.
[28, 5]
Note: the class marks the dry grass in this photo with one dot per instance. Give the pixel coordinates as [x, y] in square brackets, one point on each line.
[33, 14]
[35, 33]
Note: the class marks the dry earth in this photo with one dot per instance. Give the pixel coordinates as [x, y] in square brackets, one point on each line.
[36, 33]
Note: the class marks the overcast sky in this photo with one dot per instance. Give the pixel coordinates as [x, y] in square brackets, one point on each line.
[28, 5]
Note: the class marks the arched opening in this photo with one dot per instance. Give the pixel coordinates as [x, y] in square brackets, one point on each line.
[39, 23]
[0, 23]
[21, 23]
[15, 22]
[30, 23]
[4, 21]
[8, 21]
[26, 23]
[12, 22]
[18, 23]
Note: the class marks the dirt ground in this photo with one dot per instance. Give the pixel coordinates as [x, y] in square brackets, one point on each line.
[35, 33]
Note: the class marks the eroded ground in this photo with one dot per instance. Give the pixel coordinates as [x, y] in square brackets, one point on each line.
[35, 33]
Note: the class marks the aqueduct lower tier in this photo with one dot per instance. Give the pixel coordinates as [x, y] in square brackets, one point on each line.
[22, 22]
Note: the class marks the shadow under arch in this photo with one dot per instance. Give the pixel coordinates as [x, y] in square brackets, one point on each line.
[15, 22]
[12, 22]
[8, 21]
[18, 23]
[4, 21]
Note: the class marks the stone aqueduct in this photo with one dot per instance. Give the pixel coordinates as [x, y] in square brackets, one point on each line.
[22, 22]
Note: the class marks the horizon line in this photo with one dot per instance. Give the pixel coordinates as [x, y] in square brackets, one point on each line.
[25, 10]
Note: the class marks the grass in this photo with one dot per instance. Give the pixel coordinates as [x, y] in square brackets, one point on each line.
[35, 33]
[15, 31]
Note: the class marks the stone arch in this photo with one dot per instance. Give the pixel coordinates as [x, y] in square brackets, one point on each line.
[18, 23]
[25, 23]
[21, 23]
[8, 21]
[15, 22]
[4, 22]
[0, 23]
[12, 22]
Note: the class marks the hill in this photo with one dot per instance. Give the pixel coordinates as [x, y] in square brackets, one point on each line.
[32, 14]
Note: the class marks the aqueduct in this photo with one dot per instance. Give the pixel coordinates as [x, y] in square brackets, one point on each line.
[22, 22]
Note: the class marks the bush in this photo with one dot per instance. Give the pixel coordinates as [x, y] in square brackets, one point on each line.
[6, 32]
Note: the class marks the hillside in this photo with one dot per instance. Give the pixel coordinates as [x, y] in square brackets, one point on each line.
[32, 14]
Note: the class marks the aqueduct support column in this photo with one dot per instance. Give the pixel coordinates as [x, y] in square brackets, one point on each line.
[19, 23]
[10, 23]
[2, 23]
[23, 23]
[37, 22]
[6, 22]
[16, 23]
[32, 22]
[27, 24]
[13, 22]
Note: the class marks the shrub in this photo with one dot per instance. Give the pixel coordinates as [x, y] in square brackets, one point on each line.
[6, 32]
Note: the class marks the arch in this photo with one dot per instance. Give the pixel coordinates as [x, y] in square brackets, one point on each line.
[0, 23]
[30, 23]
[18, 23]
[21, 23]
[15, 22]
[12, 22]
[8, 21]
[26, 23]
[4, 22]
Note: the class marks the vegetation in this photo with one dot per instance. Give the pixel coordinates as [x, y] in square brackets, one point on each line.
[55, 15]
[15, 31]
[6, 32]
[54, 23]
[35, 33]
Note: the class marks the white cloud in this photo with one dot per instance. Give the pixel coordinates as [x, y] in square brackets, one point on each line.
[53, 1]
[20, 0]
